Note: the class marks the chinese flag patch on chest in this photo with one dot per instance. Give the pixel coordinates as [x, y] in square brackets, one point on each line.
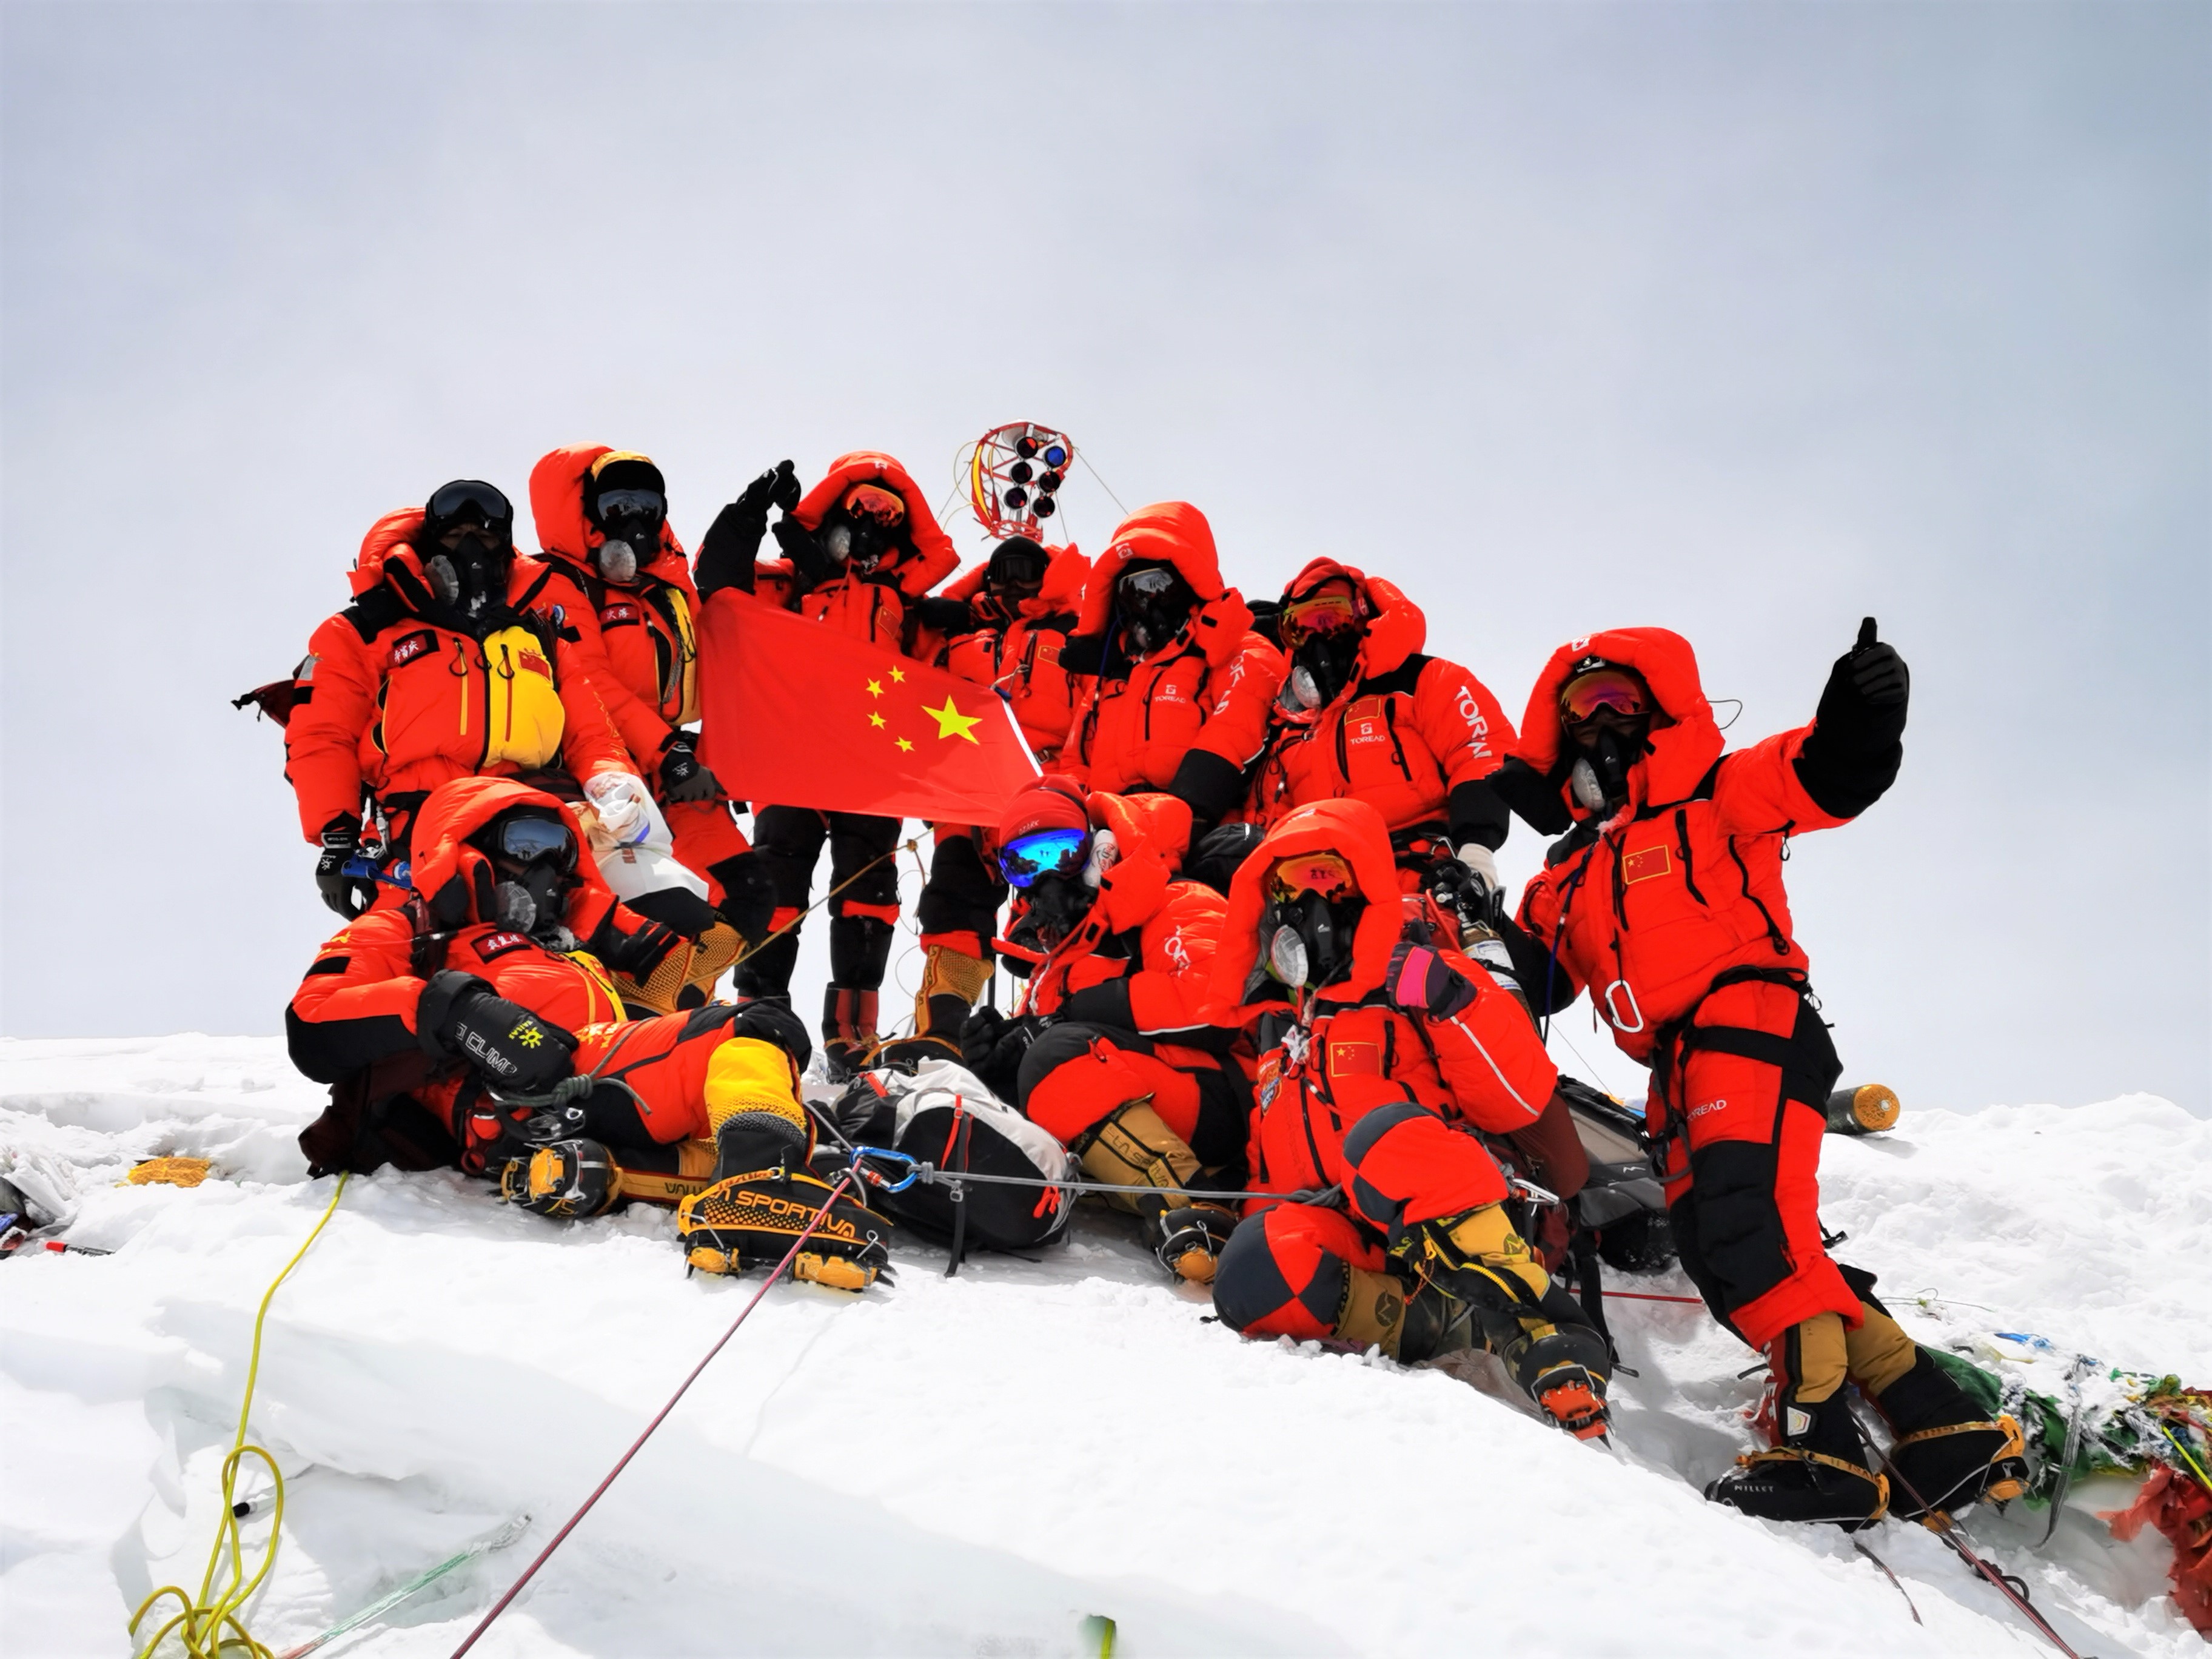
[1644, 863]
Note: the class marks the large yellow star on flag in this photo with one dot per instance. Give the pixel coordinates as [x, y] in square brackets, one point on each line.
[952, 723]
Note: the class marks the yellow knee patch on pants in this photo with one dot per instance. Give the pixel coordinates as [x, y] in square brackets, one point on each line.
[748, 1075]
[1488, 1236]
[1879, 1351]
[1135, 1148]
[1814, 1358]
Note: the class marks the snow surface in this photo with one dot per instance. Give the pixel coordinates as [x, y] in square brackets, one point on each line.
[973, 1465]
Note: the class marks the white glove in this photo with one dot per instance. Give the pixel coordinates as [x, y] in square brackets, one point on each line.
[1478, 859]
[624, 806]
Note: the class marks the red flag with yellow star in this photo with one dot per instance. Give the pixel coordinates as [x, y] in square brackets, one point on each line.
[796, 713]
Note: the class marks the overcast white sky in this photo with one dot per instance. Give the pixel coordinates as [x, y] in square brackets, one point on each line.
[1747, 320]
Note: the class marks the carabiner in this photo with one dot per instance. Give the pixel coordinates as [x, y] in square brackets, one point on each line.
[915, 1167]
[1613, 1009]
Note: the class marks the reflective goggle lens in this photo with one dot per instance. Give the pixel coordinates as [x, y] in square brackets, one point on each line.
[1048, 852]
[1325, 613]
[869, 501]
[1151, 583]
[536, 841]
[470, 499]
[632, 504]
[1325, 873]
[1019, 567]
[1615, 689]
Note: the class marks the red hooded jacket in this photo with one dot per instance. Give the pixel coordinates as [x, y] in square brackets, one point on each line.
[363, 998]
[1140, 958]
[1485, 1066]
[638, 641]
[1205, 692]
[877, 607]
[1413, 736]
[390, 703]
[1020, 658]
[1684, 881]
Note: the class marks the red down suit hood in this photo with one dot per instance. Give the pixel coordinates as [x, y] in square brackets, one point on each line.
[1356, 832]
[1681, 752]
[556, 507]
[456, 881]
[933, 556]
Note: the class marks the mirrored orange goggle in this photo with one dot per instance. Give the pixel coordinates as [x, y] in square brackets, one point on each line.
[1614, 689]
[869, 501]
[1324, 613]
[1325, 873]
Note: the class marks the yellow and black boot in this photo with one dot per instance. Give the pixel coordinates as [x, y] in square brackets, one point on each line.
[763, 1196]
[566, 1179]
[951, 982]
[1479, 1276]
[1818, 1469]
[849, 1042]
[1133, 1148]
[1950, 1453]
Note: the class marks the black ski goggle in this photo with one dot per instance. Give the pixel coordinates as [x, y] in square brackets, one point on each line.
[1017, 567]
[632, 504]
[1150, 584]
[537, 840]
[468, 501]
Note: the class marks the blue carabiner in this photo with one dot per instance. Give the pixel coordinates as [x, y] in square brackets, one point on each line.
[914, 1168]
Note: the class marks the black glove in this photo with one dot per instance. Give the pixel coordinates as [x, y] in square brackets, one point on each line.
[945, 616]
[748, 894]
[1465, 894]
[681, 776]
[341, 892]
[1422, 982]
[992, 1047]
[1878, 673]
[733, 541]
[807, 555]
[515, 1052]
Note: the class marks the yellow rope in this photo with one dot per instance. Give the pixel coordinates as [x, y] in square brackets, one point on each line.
[202, 1624]
[777, 934]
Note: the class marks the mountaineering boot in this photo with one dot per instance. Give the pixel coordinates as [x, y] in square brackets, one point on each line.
[1133, 1148]
[951, 981]
[1948, 1454]
[1818, 1468]
[567, 1178]
[849, 1032]
[764, 1195]
[1506, 1300]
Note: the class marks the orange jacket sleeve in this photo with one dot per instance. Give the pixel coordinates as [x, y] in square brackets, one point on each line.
[1460, 722]
[1542, 905]
[322, 744]
[588, 743]
[1492, 1059]
[1757, 791]
[636, 723]
[1242, 690]
[1168, 993]
[357, 1003]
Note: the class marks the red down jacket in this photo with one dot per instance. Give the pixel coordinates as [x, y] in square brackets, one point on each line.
[1205, 693]
[1021, 657]
[877, 607]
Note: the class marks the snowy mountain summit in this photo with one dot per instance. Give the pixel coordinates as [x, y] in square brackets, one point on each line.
[990, 1464]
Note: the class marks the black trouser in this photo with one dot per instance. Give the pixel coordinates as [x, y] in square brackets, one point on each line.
[861, 918]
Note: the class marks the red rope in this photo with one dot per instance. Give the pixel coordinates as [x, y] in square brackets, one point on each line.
[1639, 1295]
[528, 1572]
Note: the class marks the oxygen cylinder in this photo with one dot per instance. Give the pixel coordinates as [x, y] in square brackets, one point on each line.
[1864, 1109]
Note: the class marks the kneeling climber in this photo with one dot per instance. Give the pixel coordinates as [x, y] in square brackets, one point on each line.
[1383, 1051]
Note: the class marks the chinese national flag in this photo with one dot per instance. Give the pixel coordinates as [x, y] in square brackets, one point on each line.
[795, 713]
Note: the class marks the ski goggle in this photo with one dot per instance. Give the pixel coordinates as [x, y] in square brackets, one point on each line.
[632, 504]
[1324, 613]
[1018, 566]
[1151, 583]
[1601, 690]
[873, 501]
[1325, 873]
[1046, 852]
[536, 841]
[465, 501]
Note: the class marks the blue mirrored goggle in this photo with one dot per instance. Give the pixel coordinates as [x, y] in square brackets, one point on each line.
[1048, 852]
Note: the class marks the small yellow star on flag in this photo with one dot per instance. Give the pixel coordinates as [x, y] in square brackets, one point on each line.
[952, 723]
[903, 743]
[875, 719]
[899, 675]
[875, 688]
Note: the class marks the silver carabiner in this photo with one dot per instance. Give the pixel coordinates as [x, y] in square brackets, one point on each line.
[1613, 1009]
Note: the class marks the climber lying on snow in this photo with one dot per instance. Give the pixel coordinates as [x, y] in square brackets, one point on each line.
[479, 1025]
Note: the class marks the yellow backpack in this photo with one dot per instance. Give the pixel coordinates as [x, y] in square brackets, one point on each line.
[526, 714]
